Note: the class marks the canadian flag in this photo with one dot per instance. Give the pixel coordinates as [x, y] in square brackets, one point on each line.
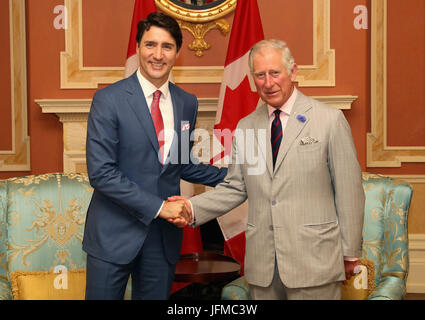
[142, 8]
[237, 99]
[192, 241]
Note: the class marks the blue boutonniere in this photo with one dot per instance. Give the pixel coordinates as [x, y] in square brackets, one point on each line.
[301, 118]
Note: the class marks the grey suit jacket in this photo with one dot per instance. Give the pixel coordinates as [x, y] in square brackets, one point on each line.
[308, 211]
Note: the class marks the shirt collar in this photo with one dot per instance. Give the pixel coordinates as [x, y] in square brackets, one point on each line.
[288, 105]
[148, 88]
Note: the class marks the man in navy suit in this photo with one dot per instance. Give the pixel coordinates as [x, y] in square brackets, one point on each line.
[133, 171]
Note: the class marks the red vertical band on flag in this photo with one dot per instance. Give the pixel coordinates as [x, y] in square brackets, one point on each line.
[246, 30]
[238, 98]
[142, 8]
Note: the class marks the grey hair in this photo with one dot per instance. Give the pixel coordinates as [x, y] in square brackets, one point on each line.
[287, 58]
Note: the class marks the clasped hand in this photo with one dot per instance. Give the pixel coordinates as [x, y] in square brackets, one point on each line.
[177, 210]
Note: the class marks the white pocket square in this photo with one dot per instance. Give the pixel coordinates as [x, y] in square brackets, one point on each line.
[308, 140]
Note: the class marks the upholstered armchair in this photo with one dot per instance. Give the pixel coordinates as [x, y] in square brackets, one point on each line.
[385, 253]
[385, 234]
[42, 220]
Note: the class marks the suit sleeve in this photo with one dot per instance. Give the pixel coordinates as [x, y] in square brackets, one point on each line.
[196, 172]
[225, 197]
[102, 162]
[347, 182]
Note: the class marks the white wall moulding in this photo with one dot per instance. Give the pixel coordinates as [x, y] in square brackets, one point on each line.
[416, 277]
[18, 158]
[63, 107]
[74, 75]
[379, 154]
[73, 113]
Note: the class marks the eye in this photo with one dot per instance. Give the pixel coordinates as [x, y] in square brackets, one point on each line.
[168, 46]
[275, 73]
[259, 75]
[149, 44]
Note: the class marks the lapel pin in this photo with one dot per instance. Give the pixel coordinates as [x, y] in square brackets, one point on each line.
[301, 118]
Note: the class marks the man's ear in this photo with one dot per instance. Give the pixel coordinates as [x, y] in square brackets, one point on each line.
[294, 72]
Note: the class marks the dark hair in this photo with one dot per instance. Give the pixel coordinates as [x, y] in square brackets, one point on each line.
[161, 20]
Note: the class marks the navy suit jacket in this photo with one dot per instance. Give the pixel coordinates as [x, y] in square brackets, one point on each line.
[129, 182]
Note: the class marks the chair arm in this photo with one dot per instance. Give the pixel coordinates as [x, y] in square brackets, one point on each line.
[389, 288]
[236, 290]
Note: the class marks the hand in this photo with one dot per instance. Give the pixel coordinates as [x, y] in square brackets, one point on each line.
[349, 268]
[179, 222]
[175, 211]
[187, 204]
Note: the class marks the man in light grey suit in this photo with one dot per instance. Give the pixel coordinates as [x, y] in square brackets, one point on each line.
[305, 216]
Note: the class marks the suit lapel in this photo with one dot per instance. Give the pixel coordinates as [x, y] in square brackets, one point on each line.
[138, 103]
[294, 126]
[178, 106]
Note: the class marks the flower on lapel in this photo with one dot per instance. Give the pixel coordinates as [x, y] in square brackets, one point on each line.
[301, 118]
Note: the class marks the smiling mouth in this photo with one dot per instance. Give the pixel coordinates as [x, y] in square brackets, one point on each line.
[157, 65]
[271, 93]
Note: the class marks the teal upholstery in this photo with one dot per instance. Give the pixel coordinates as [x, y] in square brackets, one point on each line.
[385, 236]
[385, 239]
[42, 224]
[5, 293]
[236, 290]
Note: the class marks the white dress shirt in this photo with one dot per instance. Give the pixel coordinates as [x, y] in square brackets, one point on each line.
[166, 108]
[165, 105]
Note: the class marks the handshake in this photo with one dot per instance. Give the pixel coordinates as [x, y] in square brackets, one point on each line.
[177, 210]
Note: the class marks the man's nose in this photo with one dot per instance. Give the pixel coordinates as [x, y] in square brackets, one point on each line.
[157, 53]
[268, 81]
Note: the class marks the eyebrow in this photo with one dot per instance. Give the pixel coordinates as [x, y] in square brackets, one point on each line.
[155, 42]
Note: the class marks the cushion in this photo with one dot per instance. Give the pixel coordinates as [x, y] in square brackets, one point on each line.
[46, 285]
[236, 290]
[362, 284]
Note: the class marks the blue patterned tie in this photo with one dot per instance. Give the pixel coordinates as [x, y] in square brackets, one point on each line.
[276, 135]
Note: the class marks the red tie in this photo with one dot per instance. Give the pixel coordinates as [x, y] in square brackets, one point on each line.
[158, 122]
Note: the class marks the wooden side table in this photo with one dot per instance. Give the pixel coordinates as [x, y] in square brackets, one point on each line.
[205, 268]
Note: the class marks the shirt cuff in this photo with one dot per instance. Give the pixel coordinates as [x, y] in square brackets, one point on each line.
[193, 221]
[351, 259]
[160, 208]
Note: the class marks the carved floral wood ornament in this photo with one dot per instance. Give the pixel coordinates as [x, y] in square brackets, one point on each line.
[199, 17]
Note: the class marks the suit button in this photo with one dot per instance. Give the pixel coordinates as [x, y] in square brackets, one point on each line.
[274, 202]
